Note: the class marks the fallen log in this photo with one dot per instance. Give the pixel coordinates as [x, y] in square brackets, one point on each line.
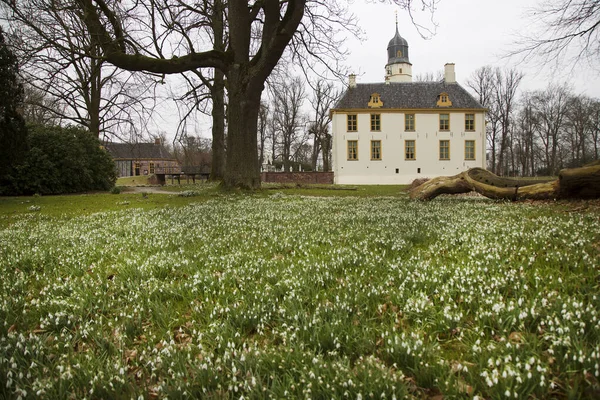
[574, 183]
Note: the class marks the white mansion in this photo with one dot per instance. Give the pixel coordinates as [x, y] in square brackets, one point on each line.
[399, 130]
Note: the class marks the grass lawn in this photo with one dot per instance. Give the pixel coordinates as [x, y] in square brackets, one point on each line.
[140, 180]
[297, 293]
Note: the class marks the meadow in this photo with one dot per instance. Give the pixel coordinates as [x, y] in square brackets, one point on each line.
[291, 293]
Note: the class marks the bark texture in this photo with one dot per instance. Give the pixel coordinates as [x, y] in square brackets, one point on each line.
[575, 183]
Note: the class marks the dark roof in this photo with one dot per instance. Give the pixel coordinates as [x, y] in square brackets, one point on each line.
[407, 95]
[133, 151]
[397, 40]
[397, 43]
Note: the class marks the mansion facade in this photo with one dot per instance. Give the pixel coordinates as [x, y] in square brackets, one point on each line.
[397, 131]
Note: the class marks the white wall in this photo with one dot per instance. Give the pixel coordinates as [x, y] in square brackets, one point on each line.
[396, 75]
[392, 136]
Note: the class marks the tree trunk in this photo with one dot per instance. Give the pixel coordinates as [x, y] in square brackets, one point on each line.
[575, 183]
[217, 170]
[242, 169]
[326, 148]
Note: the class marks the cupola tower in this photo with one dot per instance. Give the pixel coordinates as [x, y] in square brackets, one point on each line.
[398, 67]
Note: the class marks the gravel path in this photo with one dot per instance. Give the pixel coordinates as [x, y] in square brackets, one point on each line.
[146, 189]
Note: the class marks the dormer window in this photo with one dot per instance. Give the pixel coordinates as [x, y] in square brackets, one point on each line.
[375, 101]
[399, 53]
[443, 100]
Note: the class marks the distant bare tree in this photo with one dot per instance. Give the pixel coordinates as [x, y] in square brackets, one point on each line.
[193, 150]
[506, 84]
[40, 108]
[62, 60]
[551, 108]
[564, 30]
[525, 137]
[595, 127]
[483, 83]
[288, 98]
[578, 129]
[324, 98]
[430, 76]
[272, 136]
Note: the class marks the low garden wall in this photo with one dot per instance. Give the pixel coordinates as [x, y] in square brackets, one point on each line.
[297, 177]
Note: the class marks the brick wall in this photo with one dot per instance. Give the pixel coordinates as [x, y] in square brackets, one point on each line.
[297, 177]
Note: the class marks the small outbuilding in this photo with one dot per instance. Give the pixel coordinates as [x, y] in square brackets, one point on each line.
[135, 159]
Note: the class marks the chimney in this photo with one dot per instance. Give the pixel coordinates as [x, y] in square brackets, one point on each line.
[157, 141]
[352, 81]
[449, 75]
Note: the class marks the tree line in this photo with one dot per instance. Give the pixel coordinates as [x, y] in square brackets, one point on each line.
[43, 158]
[100, 63]
[226, 51]
[535, 132]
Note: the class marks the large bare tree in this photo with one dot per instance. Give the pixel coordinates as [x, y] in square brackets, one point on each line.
[563, 30]
[146, 36]
[62, 62]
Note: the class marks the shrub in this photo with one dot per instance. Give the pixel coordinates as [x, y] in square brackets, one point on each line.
[116, 190]
[64, 160]
[13, 132]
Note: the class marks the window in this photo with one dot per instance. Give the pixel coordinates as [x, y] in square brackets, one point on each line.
[409, 150]
[151, 167]
[399, 53]
[376, 122]
[444, 149]
[469, 122]
[444, 122]
[443, 100]
[375, 149]
[409, 122]
[352, 123]
[352, 150]
[469, 149]
[375, 101]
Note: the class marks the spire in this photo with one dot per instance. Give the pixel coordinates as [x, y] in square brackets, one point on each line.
[397, 47]
[398, 67]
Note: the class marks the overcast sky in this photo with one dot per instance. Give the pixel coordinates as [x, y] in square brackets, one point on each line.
[470, 34]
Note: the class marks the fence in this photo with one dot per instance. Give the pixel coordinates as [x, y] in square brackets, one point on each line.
[297, 177]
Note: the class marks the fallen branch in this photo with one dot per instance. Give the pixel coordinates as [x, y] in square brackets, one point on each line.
[575, 183]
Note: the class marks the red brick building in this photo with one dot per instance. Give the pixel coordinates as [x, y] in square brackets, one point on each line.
[134, 159]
